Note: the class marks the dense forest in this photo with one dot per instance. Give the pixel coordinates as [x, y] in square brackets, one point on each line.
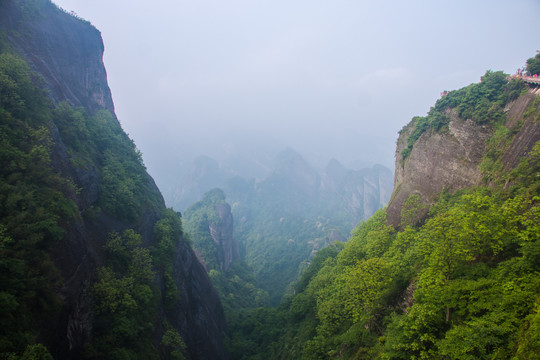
[284, 217]
[458, 278]
[37, 203]
[94, 266]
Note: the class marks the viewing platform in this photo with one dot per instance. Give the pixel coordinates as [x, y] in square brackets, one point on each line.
[535, 80]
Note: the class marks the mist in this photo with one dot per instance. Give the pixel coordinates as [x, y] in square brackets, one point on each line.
[332, 79]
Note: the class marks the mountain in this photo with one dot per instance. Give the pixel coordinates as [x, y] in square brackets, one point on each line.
[449, 270]
[281, 221]
[203, 175]
[93, 264]
[455, 155]
[210, 223]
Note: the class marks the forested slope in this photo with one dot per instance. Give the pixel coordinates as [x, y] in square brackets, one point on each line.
[92, 264]
[447, 271]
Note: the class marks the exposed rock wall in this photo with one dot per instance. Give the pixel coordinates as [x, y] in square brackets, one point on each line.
[199, 315]
[222, 234]
[67, 52]
[450, 159]
[529, 130]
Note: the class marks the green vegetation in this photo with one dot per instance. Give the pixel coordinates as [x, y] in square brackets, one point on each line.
[533, 65]
[245, 305]
[125, 302]
[124, 190]
[483, 103]
[473, 267]
[38, 204]
[236, 284]
[35, 202]
[127, 298]
[198, 218]
[460, 280]
[282, 229]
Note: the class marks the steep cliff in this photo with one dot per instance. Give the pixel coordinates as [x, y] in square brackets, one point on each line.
[65, 51]
[283, 220]
[450, 269]
[210, 223]
[102, 206]
[457, 153]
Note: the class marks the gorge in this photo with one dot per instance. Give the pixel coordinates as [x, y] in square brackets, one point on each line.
[93, 265]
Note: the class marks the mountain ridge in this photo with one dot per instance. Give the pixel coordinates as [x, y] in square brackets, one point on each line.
[116, 218]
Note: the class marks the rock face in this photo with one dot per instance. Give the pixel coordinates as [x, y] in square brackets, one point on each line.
[199, 315]
[358, 192]
[529, 132]
[301, 189]
[222, 234]
[450, 160]
[284, 219]
[67, 53]
[210, 223]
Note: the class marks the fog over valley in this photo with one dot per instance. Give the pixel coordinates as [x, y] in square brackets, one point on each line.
[256, 179]
[240, 81]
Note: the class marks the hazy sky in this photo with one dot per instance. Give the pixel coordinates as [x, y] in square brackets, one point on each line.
[333, 78]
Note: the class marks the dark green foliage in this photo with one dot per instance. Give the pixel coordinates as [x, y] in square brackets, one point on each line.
[126, 298]
[124, 190]
[254, 332]
[533, 65]
[35, 202]
[32, 352]
[236, 284]
[125, 301]
[173, 343]
[198, 218]
[168, 232]
[514, 89]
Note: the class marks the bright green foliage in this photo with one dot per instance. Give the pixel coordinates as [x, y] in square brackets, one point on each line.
[483, 103]
[462, 285]
[412, 210]
[475, 285]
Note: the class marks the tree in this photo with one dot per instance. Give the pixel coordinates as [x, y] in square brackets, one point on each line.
[533, 64]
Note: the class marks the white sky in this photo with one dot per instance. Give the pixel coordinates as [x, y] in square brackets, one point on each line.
[328, 78]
